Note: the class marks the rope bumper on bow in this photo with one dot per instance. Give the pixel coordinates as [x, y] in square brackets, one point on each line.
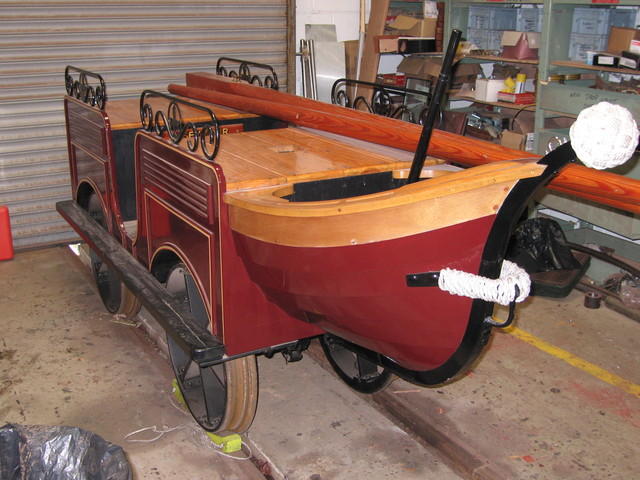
[500, 290]
[513, 286]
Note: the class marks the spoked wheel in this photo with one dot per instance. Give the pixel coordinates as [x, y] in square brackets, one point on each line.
[224, 397]
[359, 373]
[116, 297]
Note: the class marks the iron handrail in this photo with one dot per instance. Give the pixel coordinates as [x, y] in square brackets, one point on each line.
[81, 89]
[244, 72]
[207, 136]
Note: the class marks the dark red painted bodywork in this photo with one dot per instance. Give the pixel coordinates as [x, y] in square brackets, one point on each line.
[261, 295]
[359, 292]
[89, 140]
[180, 209]
[178, 205]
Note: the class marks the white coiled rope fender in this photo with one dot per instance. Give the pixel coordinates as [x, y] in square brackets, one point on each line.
[500, 290]
[604, 135]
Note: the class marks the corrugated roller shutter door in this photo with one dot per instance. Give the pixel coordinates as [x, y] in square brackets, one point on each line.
[133, 45]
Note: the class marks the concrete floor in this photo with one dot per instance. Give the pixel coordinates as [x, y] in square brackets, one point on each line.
[66, 361]
[555, 398]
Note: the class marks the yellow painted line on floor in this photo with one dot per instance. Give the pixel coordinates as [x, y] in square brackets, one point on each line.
[577, 362]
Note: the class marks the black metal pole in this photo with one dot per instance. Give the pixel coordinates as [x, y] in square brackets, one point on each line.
[438, 93]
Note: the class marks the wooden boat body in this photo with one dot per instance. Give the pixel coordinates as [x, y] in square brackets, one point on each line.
[257, 241]
[326, 228]
[342, 263]
[359, 293]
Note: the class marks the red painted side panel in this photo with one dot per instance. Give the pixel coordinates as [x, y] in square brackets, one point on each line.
[359, 292]
[89, 148]
[179, 210]
[251, 321]
[176, 210]
[91, 157]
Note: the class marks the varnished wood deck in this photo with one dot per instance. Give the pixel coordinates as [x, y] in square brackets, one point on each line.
[277, 156]
[280, 156]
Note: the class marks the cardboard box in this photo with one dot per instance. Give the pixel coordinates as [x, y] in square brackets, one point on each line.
[520, 45]
[604, 59]
[395, 79]
[406, 26]
[513, 140]
[620, 39]
[487, 89]
[526, 98]
[387, 44]
[523, 122]
[630, 60]
[429, 69]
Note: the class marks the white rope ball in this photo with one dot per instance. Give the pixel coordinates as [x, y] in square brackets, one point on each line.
[604, 136]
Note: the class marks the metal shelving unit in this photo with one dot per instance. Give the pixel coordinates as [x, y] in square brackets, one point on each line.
[574, 93]
[564, 88]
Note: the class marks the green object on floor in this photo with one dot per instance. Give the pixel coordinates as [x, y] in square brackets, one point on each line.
[229, 443]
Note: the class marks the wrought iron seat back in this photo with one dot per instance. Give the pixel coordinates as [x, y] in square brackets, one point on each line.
[392, 101]
[242, 69]
[81, 89]
[204, 135]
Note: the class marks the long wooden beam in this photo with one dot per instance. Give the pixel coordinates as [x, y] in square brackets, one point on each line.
[601, 187]
[388, 132]
[444, 144]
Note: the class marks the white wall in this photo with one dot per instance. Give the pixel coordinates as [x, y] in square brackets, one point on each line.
[344, 14]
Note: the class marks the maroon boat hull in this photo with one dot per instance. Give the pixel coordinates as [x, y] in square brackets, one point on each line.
[360, 293]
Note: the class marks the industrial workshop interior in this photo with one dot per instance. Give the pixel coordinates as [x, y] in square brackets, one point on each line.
[303, 240]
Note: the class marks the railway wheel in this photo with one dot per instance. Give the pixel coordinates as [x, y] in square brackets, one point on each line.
[359, 373]
[116, 297]
[224, 397]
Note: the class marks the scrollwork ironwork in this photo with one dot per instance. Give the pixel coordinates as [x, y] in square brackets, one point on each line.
[82, 89]
[243, 72]
[206, 135]
[382, 100]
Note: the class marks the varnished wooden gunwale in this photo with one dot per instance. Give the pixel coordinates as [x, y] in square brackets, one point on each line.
[268, 200]
[601, 187]
[413, 209]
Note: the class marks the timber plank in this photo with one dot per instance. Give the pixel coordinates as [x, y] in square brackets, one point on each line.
[599, 186]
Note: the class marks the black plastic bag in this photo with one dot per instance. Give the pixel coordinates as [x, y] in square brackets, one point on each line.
[539, 245]
[59, 453]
